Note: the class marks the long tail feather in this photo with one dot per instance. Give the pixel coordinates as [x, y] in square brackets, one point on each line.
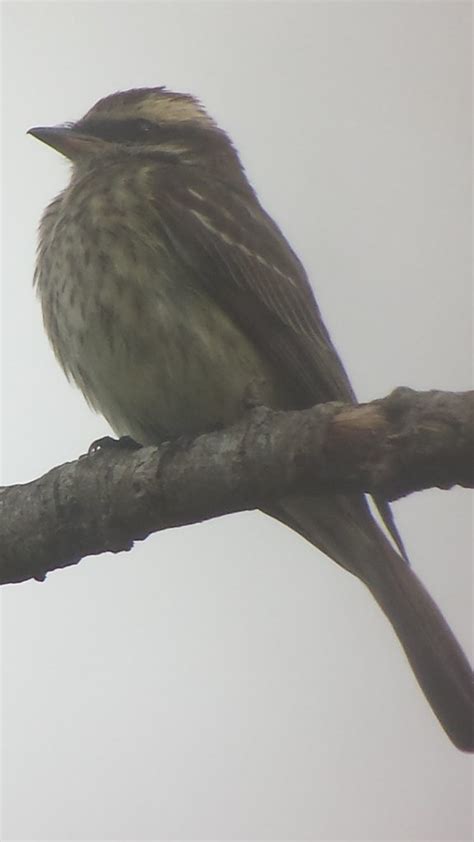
[344, 529]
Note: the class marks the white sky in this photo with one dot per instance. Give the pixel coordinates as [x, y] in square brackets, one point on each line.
[226, 681]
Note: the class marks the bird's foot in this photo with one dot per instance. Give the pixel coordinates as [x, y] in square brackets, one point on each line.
[253, 394]
[109, 443]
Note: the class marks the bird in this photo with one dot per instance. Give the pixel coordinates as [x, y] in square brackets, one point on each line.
[169, 295]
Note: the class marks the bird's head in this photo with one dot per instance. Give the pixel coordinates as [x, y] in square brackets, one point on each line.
[151, 122]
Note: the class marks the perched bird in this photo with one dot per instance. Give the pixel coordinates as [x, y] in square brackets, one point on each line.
[168, 293]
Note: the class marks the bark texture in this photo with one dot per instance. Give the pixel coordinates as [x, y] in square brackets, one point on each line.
[105, 501]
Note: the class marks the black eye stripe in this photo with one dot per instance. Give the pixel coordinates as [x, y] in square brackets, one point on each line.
[138, 131]
[120, 131]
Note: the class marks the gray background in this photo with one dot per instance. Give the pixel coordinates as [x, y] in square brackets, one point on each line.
[226, 681]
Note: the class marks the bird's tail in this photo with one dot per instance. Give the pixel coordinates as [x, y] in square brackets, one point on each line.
[343, 528]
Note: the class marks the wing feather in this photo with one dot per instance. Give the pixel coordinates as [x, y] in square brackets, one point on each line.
[236, 253]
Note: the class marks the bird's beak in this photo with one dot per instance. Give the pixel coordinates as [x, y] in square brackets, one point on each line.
[65, 140]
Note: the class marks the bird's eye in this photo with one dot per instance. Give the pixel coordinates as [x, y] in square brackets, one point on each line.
[143, 126]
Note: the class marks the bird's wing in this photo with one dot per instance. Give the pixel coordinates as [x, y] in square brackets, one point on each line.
[235, 251]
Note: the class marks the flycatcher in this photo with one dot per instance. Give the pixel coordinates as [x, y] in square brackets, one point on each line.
[169, 295]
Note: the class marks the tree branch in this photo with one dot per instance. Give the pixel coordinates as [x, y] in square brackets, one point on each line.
[105, 501]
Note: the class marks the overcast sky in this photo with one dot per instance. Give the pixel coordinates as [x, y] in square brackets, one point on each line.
[226, 681]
